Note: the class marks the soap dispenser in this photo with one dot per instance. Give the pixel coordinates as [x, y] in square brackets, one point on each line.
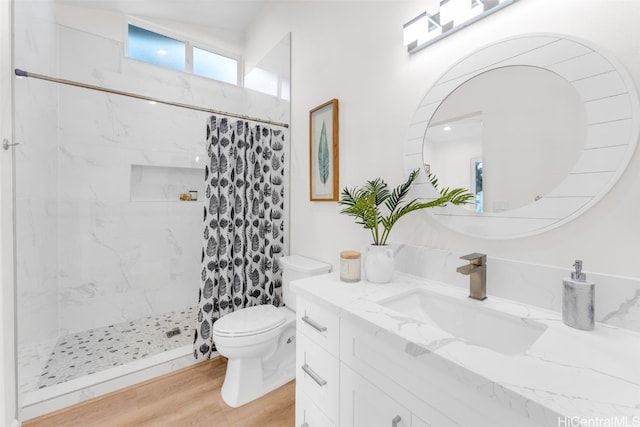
[578, 295]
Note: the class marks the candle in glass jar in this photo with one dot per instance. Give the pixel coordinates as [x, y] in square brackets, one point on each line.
[350, 266]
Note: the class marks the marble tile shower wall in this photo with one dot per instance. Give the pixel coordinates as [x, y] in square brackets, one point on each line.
[123, 258]
[617, 300]
[130, 247]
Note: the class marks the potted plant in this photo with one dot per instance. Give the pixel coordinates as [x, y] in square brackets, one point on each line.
[366, 204]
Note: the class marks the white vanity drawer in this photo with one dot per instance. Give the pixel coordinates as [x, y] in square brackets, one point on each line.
[308, 414]
[317, 375]
[319, 323]
[365, 405]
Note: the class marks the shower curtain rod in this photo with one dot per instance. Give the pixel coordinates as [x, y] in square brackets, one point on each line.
[22, 73]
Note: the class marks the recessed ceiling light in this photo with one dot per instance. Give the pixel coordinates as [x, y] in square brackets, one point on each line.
[447, 128]
[161, 52]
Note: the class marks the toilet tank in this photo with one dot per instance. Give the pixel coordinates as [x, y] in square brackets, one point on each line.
[296, 267]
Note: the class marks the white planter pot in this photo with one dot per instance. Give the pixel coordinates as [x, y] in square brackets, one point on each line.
[379, 264]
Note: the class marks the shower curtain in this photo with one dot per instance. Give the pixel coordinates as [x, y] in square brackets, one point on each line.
[243, 222]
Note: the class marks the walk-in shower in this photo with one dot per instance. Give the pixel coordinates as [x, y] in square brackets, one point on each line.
[107, 245]
[108, 261]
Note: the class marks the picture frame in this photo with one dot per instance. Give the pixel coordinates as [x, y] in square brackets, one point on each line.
[323, 152]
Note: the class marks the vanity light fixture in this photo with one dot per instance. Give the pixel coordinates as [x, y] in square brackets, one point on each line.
[452, 15]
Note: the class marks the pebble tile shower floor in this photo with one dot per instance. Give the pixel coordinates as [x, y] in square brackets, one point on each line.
[93, 350]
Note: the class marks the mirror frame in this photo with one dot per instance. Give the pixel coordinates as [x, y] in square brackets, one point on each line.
[611, 104]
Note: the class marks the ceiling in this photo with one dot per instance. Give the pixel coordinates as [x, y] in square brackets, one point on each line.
[231, 15]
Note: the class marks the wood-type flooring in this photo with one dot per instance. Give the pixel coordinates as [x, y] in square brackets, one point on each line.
[189, 397]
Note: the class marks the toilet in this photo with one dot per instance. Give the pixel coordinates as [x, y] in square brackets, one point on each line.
[259, 341]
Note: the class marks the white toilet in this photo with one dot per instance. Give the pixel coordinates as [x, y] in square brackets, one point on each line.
[259, 341]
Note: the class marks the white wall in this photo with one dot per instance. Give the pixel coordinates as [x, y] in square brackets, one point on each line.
[352, 50]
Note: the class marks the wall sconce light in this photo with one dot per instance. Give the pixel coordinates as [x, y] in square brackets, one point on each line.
[453, 15]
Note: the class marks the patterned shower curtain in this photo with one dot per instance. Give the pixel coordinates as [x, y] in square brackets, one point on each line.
[243, 222]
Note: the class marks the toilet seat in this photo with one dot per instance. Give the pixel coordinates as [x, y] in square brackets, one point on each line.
[249, 321]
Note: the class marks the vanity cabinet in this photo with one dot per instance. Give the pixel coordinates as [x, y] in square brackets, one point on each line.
[396, 353]
[317, 364]
[320, 323]
[378, 386]
[426, 386]
[330, 393]
[365, 405]
[308, 414]
[350, 373]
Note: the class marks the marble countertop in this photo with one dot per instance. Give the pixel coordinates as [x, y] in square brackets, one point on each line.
[566, 372]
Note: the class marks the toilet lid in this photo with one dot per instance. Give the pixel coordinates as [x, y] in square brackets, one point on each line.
[249, 321]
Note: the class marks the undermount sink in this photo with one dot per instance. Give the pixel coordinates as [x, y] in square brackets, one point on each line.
[468, 320]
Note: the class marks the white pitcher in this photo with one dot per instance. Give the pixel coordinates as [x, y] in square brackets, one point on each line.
[379, 263]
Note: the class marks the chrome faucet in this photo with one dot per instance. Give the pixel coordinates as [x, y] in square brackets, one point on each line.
[477, 272]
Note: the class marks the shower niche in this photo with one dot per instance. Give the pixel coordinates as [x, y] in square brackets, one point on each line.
[165, 183]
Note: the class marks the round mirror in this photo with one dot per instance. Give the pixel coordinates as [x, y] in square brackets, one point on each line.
[509, 135]
[539, 127]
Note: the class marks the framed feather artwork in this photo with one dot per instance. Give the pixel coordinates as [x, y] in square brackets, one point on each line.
[323, 152]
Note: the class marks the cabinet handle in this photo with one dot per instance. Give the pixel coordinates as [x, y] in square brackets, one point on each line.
[317, 378]
[395, 421]
[318, 327]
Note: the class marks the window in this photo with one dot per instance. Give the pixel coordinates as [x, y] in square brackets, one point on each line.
[155, 48]
[214, 66]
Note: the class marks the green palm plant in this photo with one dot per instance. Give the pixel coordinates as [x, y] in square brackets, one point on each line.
[365, 203]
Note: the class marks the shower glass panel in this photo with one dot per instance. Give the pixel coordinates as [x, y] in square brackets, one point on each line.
[119, 247]
[108, 246]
